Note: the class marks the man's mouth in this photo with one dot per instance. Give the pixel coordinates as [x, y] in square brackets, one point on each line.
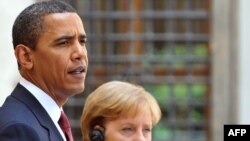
[77, 70]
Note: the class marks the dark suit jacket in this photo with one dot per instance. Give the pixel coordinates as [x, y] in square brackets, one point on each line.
[22, 118]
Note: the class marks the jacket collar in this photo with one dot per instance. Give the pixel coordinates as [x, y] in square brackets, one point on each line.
[39, 112]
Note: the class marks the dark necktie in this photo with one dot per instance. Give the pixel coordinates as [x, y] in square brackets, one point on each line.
[65, 126]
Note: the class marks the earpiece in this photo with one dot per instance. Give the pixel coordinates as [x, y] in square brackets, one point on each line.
[97, 135]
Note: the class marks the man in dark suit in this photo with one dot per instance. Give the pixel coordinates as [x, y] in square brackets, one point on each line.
[49, 42]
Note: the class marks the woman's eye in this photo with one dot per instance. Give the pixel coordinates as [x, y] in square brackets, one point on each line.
[147, 130]
[127, 129]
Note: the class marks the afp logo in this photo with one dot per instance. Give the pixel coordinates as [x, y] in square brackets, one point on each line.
[237, 132]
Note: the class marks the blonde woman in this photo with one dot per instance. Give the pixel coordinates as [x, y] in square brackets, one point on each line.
[119, 111]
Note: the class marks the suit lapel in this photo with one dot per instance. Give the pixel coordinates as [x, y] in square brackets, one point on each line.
[40, 113]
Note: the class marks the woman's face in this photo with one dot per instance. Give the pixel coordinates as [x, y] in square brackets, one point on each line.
[130, 128]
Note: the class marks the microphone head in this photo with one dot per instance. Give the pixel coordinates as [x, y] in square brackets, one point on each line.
[97, 135]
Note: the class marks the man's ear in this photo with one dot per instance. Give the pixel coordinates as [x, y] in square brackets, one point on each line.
[24, 56]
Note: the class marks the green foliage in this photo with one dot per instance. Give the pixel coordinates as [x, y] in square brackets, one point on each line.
[200, 49]
[196, 116]
[181, 91]
[161, 51]
[198, 90]
[180, 50]
[160, 92]
[161, 132]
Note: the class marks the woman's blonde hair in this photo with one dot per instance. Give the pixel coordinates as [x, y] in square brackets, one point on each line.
[115, 99]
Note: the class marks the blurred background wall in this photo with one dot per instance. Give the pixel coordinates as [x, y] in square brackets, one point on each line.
[192, 55]
[9, 74]
[230, 67]
[244, 62]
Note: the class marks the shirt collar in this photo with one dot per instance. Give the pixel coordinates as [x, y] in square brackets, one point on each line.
[45, 100]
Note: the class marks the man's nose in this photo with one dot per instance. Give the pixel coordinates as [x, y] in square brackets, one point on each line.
[79, 51]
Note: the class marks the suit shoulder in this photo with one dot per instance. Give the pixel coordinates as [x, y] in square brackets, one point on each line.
[18, 132]
[15, 111]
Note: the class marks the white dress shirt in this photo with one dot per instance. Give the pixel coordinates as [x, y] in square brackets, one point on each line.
[46, 101]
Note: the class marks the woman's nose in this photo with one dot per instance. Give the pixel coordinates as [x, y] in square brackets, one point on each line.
[139, 136]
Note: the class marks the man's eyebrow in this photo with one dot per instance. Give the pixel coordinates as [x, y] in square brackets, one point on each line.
[83, 36]
[69, 37]
[65, 37]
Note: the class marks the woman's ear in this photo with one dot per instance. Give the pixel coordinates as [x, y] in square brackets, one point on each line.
[99, 127]
[23, 56]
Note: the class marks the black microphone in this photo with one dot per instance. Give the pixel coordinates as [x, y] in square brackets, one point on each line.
[97, 135]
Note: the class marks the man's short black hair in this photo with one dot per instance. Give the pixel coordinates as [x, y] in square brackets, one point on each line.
[28, 26]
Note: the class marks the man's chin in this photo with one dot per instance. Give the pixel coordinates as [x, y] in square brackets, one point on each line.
[78, 91]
